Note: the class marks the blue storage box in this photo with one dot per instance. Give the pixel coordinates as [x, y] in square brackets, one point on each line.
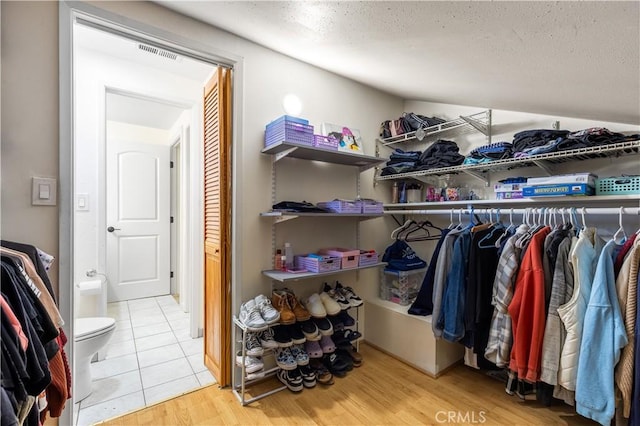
[558, 189]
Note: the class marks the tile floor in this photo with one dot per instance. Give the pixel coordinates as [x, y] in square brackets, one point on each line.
[150, 358]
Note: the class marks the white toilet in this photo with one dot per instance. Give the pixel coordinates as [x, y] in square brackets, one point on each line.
[90, 335]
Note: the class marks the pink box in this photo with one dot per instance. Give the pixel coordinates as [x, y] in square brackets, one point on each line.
[368, 257]
[350, 257]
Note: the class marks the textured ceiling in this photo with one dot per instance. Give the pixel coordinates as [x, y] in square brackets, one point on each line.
[578, 59]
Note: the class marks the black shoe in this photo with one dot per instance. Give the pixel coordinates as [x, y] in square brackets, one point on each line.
[335, 364]
[292, 379]
[324, 326]
[341, 341]
[297, 336]
[308, 376]
[309, 329]
[344, 355]
[323, 376]
[281, 336]
[346, 319]
[336, 322]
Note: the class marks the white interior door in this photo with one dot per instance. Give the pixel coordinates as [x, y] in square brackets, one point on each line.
[138, 221]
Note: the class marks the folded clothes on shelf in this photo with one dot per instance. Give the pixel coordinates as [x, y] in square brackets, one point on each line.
[298, 207]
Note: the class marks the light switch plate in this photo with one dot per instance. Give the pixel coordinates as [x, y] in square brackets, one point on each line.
[43, 191]
[82, 202]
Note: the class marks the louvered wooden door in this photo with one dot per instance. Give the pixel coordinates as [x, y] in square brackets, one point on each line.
[217, 189]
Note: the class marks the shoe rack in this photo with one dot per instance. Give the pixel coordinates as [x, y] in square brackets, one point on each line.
[240, 389]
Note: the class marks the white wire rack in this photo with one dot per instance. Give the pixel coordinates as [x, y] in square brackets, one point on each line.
[531, 210]
[543, 161]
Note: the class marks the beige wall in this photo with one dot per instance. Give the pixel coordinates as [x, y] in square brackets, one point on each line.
[29, 120]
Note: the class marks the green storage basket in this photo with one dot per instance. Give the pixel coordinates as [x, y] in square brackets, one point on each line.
[621, 185]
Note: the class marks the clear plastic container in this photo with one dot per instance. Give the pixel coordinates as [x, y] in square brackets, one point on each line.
[288, 253]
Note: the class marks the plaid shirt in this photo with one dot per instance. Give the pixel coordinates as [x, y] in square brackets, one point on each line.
[498, 348]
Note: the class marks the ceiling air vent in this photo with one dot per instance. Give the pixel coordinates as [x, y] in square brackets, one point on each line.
[158, 52]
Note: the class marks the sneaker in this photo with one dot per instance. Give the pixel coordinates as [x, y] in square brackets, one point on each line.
[266, 339]
[346, 319]
[255, 376]
[337, 296]
[310, 330]
[297, 336]
[285, 359]
[299, 311]
[308, 376]
[313, 349]
[336, 322]
[279, 301]
[349, 294]
[251, 363]
[292, 379]
[330, 305]
[300, 355]
[346, 354]
[281, 336]
[327, 345]
[335, 364]
[253, 346]
[250, 316]
[315, 306]
[269, 314]
[324, 326]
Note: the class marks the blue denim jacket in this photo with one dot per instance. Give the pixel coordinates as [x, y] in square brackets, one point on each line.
[451, 319]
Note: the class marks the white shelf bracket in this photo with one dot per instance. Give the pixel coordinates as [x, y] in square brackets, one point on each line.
[479, 176]
[544, 166]
[280, 155]
[478, 125]
[280, 219]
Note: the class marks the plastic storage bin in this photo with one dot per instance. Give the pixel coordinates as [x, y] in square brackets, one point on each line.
[323, 263]
[622, 185]
[341, 206]
[325, 142]
[370, 206]
[367, 258]
[290, 129]
[349, 257]
[401, 286]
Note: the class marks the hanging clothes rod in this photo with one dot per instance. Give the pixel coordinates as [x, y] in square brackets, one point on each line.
[579, 210]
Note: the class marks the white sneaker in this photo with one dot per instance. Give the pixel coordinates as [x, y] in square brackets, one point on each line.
[268, 312]
[251, 363]
[315, 307]
[331, 306]
[250, 316]
[253, 346]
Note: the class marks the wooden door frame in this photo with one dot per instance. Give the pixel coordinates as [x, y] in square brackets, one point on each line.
[152, 32]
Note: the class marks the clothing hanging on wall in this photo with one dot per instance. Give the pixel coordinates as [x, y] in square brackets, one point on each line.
[36, 378]
[547, 302]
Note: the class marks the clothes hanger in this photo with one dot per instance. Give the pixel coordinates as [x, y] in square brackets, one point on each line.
[395, 232]
[584, 223]
[620, 236]
[451, 225]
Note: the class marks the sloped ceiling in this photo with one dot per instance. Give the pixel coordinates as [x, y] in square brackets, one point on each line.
[577, 59]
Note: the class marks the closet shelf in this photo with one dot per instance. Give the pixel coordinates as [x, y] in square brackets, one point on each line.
[290, 276]
[480, 122]
[291, 149]
[618, 200]
[280, 217]
[401, 309]
[543, 161]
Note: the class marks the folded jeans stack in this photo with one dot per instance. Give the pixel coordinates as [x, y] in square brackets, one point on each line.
[442, 153]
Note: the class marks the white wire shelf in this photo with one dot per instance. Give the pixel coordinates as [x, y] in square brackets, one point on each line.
[544, 161]
[291, 276]
[622, 200]
[480, 121]
[280, 217]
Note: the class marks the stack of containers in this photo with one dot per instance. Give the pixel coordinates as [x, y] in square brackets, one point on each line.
[289, 129]
[341, 206]
[569, 184]
[350, 258]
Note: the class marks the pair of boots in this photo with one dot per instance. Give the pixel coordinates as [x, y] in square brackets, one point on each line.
[291, 310]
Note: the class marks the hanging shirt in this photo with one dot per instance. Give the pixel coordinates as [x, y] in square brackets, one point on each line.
[603, 338]
[554, 334]
[627, 289]
[527, 311]
[634, 418]
[583, 259]
[500, 337]
[442, 270]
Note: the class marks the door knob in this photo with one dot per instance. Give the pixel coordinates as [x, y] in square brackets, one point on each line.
[111, 229]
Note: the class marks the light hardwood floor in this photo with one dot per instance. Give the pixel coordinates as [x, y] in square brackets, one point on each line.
[384, 391]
